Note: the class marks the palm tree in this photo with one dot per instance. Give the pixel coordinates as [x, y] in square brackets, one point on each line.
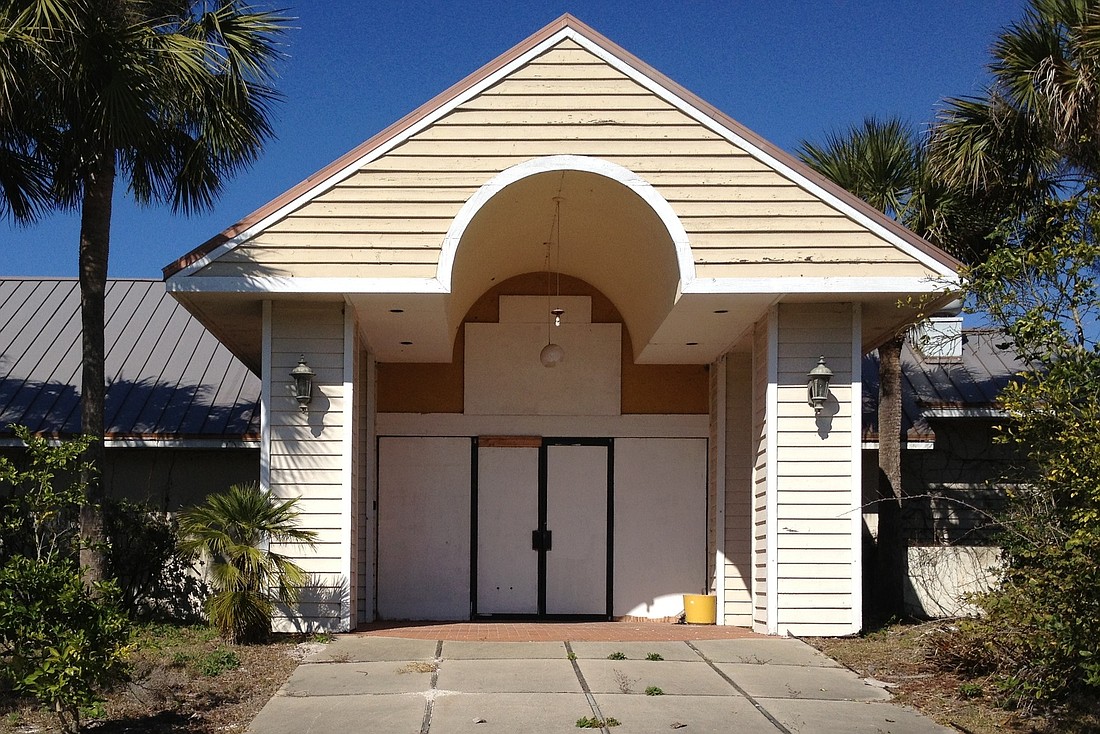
[1034, 133]
[173, 96]
[232, 532]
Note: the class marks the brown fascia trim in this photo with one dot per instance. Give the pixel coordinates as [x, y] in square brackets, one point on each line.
[565, 21]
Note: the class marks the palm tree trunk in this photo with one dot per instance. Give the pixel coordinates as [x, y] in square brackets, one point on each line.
[95, 238]
[892, 542]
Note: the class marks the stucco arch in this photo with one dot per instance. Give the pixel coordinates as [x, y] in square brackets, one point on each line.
[617, 232]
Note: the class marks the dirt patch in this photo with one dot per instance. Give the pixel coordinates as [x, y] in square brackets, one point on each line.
[183, 679]
[903, 656]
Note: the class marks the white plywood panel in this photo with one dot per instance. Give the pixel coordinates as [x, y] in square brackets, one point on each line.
[660, 524]
[507, 512]
[424, 528]
[576, 515]
[504, 376]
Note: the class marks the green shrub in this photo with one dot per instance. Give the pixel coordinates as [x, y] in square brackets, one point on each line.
[617, 655]
[63, 644]
[155, 578]
[218, 661]
[232, 532]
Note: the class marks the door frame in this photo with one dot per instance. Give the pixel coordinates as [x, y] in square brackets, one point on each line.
[543, 466]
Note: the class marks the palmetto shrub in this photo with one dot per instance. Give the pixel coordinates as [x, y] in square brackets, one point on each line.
[233, 531]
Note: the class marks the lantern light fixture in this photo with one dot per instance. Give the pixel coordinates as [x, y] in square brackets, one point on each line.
[817, 386]
[303, 383]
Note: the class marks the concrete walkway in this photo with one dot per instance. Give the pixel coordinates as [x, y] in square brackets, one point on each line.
[416, 686]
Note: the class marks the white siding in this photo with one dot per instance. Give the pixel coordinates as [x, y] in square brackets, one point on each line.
[307, 457]
[816, 552]
[761, 356]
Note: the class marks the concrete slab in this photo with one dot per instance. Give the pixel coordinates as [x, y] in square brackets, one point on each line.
[777, 651]
[826, 717]
[706, 714]
[508, 676]
[674, 677]
[531, 713]
[402, 714]
[504, 650]
[793, 681]
[353, 649]
[634, 650]
[343, 679]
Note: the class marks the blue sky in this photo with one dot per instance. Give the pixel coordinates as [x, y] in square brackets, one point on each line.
[787, 70]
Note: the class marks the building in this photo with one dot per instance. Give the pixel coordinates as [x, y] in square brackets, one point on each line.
[182, 413]
[701, 273]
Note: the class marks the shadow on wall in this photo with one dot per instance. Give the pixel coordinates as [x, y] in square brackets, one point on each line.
[942, 578]
[323, 605]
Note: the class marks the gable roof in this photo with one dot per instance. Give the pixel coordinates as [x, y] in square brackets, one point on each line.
[169, 379]
[566, 27]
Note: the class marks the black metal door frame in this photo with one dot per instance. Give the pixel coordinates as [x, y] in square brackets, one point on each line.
[541, 535]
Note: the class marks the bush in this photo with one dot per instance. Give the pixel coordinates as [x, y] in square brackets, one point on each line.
[156, 581]
[232, 532]
[62, 644]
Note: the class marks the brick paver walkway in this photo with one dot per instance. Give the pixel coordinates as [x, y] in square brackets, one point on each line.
[511, 631]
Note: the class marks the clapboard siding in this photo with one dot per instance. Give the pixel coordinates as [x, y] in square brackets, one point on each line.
[815, 474]
[389, 218]
[306, 457]
[760, 480]
[738, 494]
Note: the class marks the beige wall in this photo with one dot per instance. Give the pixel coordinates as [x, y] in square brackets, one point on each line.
[738, 490]
[651, 389]
[307, 455]
[389, 219]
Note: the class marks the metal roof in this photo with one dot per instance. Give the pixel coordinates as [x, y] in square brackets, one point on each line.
[168, 378]
[966, 387]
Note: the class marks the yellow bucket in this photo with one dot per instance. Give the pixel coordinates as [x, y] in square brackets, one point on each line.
[700, 608]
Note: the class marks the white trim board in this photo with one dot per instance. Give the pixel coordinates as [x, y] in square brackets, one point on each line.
[624, 426]
[834, 287]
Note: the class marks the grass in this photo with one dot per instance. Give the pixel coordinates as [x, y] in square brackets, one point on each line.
[591, 722]
[904, 654]
[183, 679]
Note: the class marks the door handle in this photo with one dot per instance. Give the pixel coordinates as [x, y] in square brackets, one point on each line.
[541, 540]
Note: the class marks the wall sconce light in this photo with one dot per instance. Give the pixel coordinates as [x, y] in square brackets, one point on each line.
[817, 387]
[303, 383]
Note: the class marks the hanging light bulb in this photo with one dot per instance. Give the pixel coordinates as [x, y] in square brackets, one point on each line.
[551, 354]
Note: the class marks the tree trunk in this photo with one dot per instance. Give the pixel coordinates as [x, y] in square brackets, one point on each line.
[95, 238]
[893, 544]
